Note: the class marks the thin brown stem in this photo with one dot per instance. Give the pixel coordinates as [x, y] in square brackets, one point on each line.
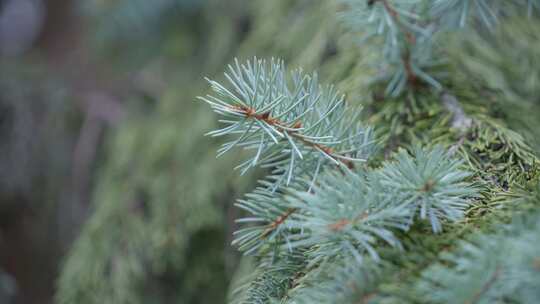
[281, 126]
[412, 79]
[476, 297]
[272, 226]
[340, 224]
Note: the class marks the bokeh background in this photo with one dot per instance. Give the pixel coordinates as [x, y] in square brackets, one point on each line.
[107, 185]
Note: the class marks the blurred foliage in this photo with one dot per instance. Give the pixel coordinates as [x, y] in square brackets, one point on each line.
[149, 27]
[156, 221]
[158, 232]
[37, 122]
[38, 129]
[131, 33]
[504, 62]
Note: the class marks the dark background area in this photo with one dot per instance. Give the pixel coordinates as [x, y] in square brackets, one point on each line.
[72, 74]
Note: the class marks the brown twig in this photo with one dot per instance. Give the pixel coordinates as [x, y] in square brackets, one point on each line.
[485, 287]
[272, 226]
[412, 79]
[344, 222]
[281, 126]
[339, 224]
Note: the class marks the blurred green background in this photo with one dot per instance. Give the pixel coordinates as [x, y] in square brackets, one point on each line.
[107, 191]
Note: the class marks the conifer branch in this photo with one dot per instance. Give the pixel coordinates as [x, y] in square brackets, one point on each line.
[409, 38]
[490, 268]
[292, 122]
[294, 131]
[487, 285]
[431, 183]
[302, 127]
[410, 29]
[280, 220]
[340, 281]
[302, 207]
[271, 280]
[406, 46]
[346, 215]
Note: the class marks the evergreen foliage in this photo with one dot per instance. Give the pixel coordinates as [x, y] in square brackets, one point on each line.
[409, 32]
[431, 183]
[504, 61]
[347, 214]
[295, 116]
[341, 281]
[348, 220]
[493, 268]
[350, 210]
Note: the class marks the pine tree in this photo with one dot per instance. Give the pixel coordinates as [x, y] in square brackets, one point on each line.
[324, 223]
[413, 178]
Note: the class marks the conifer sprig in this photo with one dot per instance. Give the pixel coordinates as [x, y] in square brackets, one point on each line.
[346, 214]
[297, 128]
[409, 30]
[268, 222]
[286, 119]
[271, 280]
[406, 39]
[431, 183]
[452, 14]
[349, 214]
